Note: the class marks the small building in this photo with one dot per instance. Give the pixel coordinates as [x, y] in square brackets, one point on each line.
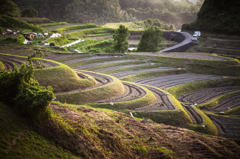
[29, 36]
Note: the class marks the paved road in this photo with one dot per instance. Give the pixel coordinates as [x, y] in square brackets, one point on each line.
[187, 40]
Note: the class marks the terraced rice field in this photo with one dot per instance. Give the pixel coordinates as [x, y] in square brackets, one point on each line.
[127, 73]
[187, 55]
[207, 94]
[119, 67]
[9, 60]
[228, 127]
[174, 80]
[227, 104]
[196, 118]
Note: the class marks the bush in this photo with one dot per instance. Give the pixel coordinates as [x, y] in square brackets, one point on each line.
[20, 39]
[19, 90]
[9, 22]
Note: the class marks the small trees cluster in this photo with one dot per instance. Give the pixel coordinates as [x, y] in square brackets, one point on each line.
[120, 39]
[29, 12]
[20, 90]
[150, 40]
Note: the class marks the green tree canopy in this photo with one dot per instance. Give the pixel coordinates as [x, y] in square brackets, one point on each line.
[29, 12]
[120, 39]
[150, 40]
[9, 8]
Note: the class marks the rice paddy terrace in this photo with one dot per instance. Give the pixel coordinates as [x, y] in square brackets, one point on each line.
[192, 90]
[140, 86]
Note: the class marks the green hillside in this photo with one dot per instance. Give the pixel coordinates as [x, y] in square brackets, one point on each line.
[217, 17]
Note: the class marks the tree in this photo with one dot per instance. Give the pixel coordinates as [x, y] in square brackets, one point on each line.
[120, 39]
[9, 8]
[150, 39]
[29, 12]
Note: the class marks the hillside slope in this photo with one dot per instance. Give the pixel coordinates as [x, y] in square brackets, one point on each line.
[220, 16]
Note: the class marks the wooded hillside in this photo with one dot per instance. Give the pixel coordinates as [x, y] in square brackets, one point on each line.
[220, 16]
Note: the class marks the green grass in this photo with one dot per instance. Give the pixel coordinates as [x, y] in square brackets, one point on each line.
[84, 33]
[129, 25]
[177, 117]
[61, 78]
[83, 26]
[53, 24]
[139, 76]
[131, 68]
[210, 128]
[81, 63]
[2, 67]
[148, 99]
[233, 111]
[114, 64]
[72, 58]
[217, 100]
[60, 41]
[112, 89]
[186, 88]
[19, 140]
[10, 23]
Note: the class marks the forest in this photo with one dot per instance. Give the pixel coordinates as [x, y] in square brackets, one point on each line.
[104, 11]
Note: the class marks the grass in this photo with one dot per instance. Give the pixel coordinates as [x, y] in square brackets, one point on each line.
[62, 78]
[33, 20]
[84, 33]
[72, 58]
[114, 64]
[217, 100]
[19, 140]
[60, 41]
[81, 63]
[109, 90]
[129, 25]
[186, 88]
[139, 76]
[148, 99]
[2, 67]
[177, 117]
[83, 26]
[209, 128]
[53, 24]
[131, 68]
[233, 111]
[200, 66]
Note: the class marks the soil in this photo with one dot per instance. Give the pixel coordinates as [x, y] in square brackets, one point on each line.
[174, 80]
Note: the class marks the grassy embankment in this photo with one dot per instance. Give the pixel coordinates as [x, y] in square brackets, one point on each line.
[61, 78]
[147, 99]
[109, 90]
[20, 140]
[177, 117]
[53, 24]
[2, 67]
[76, 27]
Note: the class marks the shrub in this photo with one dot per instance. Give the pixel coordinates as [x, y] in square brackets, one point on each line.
[19, 90]
[20, 39]
[9, 22]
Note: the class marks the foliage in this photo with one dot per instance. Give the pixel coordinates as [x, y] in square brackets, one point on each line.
[9, 22]
[53, 24]
[120, 39]
[61, 30]
[52, 44]
[29, 12]
[9, 8]
[2, 67]
[217, 17]
[19, 89]
[19, 39]
[150, 40]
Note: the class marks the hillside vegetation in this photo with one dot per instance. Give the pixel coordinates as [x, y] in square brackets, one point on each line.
[217, 17]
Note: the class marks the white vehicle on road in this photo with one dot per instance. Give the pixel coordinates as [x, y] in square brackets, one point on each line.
[198, 33]
[194, 37]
